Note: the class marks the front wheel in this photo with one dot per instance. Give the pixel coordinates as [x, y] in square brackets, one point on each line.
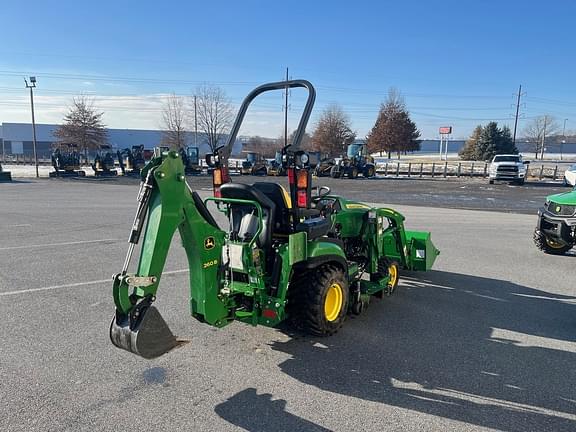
[550, 246]
[319, 301]
[335, 172]
[353, 173]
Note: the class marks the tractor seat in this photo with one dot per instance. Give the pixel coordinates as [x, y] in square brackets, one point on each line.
[313, 224]
[244, 223]
[280, 197]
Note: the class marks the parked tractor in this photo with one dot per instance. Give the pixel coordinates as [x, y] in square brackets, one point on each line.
[357, 161]
[66, 161]
[104, 163]
[191, 160]
[276, 166]
[555, 231]
[324, 167]
[5, 176]
[254, 164]
[131, 160]
[307, 257]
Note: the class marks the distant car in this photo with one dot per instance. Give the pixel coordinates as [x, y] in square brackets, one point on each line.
[570, 176]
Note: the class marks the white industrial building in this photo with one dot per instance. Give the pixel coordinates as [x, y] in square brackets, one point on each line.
[16, 139]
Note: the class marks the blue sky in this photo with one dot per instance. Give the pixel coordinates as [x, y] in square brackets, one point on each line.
[456, 62]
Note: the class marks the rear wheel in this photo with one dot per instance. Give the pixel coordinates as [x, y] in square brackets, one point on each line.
[335, 172]
[491, 181]
[319, 300]
[353, 173]
[369, 172]
[548, 245]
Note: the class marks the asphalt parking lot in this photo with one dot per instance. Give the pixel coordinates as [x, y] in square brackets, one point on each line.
[486, 341]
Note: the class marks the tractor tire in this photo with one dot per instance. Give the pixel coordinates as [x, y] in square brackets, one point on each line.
[334, 172]
[318, 301]
[387, 267]
[490, 181]
[548, 245]
[369, 172]
[353, 173]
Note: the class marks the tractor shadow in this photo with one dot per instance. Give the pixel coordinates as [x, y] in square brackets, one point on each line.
[259, 413]
[482, 351]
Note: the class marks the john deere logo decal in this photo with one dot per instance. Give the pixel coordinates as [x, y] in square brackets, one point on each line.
[558, 208]
[209, 243]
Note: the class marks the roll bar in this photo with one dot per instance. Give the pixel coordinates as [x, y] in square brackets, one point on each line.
[268, 87]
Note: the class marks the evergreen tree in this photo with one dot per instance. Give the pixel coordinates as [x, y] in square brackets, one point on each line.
[82, 126]
[506, 144]
[488, 141]
[393, 131]
[468, 152]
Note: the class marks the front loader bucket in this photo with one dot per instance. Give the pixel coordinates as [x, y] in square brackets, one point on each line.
[148, 335]
[423, 253]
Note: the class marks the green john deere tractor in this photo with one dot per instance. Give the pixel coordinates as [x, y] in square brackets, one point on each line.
[555, 232]
[310, 258]
[357, 161]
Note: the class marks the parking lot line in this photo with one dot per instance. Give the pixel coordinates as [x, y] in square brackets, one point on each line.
[73, 285]
[58, 244]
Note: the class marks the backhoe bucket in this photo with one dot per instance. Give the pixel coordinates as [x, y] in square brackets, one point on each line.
[146, 335]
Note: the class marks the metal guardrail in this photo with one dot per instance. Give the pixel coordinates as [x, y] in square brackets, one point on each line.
[460, 169]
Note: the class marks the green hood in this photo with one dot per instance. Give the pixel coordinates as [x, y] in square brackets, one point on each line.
[566, 198]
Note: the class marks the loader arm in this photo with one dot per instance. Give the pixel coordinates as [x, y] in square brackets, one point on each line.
[166, 204]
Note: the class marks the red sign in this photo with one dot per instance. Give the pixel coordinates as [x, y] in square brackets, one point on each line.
[445, 130]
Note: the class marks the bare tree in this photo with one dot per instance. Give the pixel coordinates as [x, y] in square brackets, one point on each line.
[214, 112]
[538, 131]
[305, 141]
[264, 146]
[393, 131]
[82, 126]
[174, 134]
[333, 132]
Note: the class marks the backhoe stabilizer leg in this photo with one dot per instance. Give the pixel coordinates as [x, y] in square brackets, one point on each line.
[143, 332]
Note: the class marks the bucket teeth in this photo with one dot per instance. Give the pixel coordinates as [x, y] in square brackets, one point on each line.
[147, 336]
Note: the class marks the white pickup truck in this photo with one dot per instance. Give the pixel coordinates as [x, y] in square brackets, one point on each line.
[508, 167]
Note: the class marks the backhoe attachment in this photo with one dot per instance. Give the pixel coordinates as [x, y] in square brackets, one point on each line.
[165, 204]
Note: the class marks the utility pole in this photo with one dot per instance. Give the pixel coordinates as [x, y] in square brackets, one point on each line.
[517, 111]
[543, 138]
[195, 123]
[286, 111]
[563, 138]
[31, 86]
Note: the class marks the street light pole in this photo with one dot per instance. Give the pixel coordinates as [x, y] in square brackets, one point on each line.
[31, 86]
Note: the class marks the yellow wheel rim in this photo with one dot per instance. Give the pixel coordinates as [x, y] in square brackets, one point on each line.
[553, 244]
[393, 274]
[333, 302]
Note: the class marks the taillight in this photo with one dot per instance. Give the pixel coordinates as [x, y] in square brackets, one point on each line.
[291, 176]
[220, 176]
[302, 182]
[269, 313]
[302, 199]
